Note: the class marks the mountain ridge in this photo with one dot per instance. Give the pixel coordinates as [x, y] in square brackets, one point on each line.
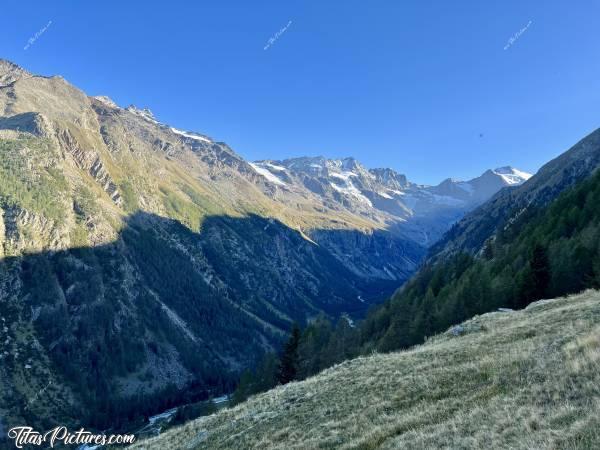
[384, 195]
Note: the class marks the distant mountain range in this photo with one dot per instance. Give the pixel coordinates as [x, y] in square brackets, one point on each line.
[383, 195]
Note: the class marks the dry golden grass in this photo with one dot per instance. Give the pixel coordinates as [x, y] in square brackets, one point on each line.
[527, 379]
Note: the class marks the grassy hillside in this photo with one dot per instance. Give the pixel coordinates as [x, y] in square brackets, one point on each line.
[524, 379]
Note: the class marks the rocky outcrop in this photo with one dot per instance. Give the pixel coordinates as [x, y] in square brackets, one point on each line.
[23, 230]
[33, 123]
[10, 72]
[89, 161]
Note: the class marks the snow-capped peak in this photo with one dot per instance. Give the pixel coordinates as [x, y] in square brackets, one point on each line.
[143, 113]
[106, 100]
[511, 175]
[147, 115]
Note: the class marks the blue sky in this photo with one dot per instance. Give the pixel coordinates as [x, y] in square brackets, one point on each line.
[424, 87]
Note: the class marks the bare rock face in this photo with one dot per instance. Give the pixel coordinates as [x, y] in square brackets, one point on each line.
[89, 161]
[25, 230]
[33, 123]
[10, 72]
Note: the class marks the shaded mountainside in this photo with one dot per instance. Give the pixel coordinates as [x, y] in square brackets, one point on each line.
[518, 380]
[160, 306]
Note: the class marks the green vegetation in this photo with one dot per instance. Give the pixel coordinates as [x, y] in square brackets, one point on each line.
[183, 210]
[288, 368]
[207, 206]
[130, 201]
[28, 178]
[318, 347]
[545, 253]
[193, 411]
[519, 380]
[261, 379]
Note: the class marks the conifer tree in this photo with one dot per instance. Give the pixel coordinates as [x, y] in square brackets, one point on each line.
[288, 367]
[540, 268]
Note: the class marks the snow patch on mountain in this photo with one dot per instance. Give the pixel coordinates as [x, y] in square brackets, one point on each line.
[190, 135]
[106, 100]
[275, 167]
[343, 175]
[351, 190]
[145, 114]
[262, 170]
[511, 175]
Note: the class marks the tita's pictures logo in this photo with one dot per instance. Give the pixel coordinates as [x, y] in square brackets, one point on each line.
[61, 435]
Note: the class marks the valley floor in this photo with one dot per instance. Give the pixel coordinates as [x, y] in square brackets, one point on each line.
[523, 379]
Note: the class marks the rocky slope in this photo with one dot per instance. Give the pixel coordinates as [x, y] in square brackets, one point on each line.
[138, 259]
[505, 380]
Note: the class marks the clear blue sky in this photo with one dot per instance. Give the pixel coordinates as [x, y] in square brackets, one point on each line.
[405, 84]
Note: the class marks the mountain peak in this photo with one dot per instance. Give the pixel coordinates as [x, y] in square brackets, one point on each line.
[144, 113]
[106, 101]
[10, 72]
[512, 176]
[504, 169]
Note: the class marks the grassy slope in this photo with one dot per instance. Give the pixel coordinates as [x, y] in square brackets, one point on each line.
[526, 379]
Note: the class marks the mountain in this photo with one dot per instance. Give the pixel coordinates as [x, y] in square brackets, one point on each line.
[141, 264]
[512, 380]
[421, 213]
[139, 259]
[471, 233]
